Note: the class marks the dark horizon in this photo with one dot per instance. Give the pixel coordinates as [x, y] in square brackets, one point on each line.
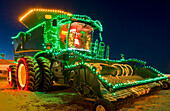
[137, 29]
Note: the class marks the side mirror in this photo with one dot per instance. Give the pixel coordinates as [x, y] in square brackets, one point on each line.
[2, 55]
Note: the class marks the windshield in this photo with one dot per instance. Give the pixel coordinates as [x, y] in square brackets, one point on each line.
[80, 35]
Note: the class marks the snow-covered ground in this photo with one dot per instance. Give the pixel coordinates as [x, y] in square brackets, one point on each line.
[158, 101]
[60, 99]
[65, 99]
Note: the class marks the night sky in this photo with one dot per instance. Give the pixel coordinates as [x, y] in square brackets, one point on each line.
[138, 29]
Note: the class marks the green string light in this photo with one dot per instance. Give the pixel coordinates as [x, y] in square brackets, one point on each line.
[114, 94]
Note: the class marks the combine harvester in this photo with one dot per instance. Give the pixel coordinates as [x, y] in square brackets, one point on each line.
[59, 47]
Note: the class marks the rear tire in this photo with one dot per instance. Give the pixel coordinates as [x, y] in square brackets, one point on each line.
[26, 78]
[11, 76]
[47, 76]
[103, 105]
[165, 85]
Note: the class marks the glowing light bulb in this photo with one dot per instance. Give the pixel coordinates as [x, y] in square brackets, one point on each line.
[76, 42]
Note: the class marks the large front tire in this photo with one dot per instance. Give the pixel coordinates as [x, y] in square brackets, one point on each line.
[47, 76]
[26, 78]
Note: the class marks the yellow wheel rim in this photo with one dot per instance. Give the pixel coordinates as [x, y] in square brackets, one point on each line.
[9, 76]
[165, 85]
[100, 108]
[22, 75]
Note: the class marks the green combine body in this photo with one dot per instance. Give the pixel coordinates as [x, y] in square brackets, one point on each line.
[59, 48]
